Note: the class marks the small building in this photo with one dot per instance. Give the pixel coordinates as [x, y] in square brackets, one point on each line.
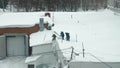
[44, 51]
[33, 41]
[15, 33]
[14, 41]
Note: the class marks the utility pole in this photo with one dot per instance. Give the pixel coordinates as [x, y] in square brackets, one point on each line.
[72, 53]
[83, 50]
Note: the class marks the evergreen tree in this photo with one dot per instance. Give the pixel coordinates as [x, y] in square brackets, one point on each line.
[55, 5]
[3, 3]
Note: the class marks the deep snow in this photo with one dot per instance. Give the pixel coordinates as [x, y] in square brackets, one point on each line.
[98, 31]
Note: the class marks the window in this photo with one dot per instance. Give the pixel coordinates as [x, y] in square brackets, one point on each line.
[31, 66]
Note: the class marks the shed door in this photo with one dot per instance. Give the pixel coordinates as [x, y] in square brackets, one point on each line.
[15, 46]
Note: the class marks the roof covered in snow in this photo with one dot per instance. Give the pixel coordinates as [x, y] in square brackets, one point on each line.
[41, 37]
[22, 19]
[32, 58]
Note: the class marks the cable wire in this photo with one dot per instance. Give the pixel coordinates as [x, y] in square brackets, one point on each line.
[97, 59]
[100, 60]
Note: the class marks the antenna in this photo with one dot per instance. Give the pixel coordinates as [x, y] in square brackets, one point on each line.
[83, 50]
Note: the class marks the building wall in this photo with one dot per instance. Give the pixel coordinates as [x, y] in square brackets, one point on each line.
[27, 44]
[48, 59]
[93, 65]
[60, 56]
[2, 47]
[50, 55]
[42, 48]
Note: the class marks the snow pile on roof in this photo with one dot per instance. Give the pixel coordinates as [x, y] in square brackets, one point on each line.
[48, 20]
[98, 31]
[15, 26]
[32, 58]
[22, 19]
[13, 62]
[41, 37]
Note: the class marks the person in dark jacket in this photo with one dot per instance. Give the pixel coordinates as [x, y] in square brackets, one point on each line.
[54, 37]
[67, 36]
[62, 35]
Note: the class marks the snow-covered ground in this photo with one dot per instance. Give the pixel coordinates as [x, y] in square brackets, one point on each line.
[13, 62]
[98, 31]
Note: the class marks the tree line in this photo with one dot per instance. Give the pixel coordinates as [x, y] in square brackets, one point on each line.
[53, 5]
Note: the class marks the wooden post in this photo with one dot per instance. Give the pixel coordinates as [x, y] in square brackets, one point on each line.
[83, 50]
[76, 37]
[72, 53]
